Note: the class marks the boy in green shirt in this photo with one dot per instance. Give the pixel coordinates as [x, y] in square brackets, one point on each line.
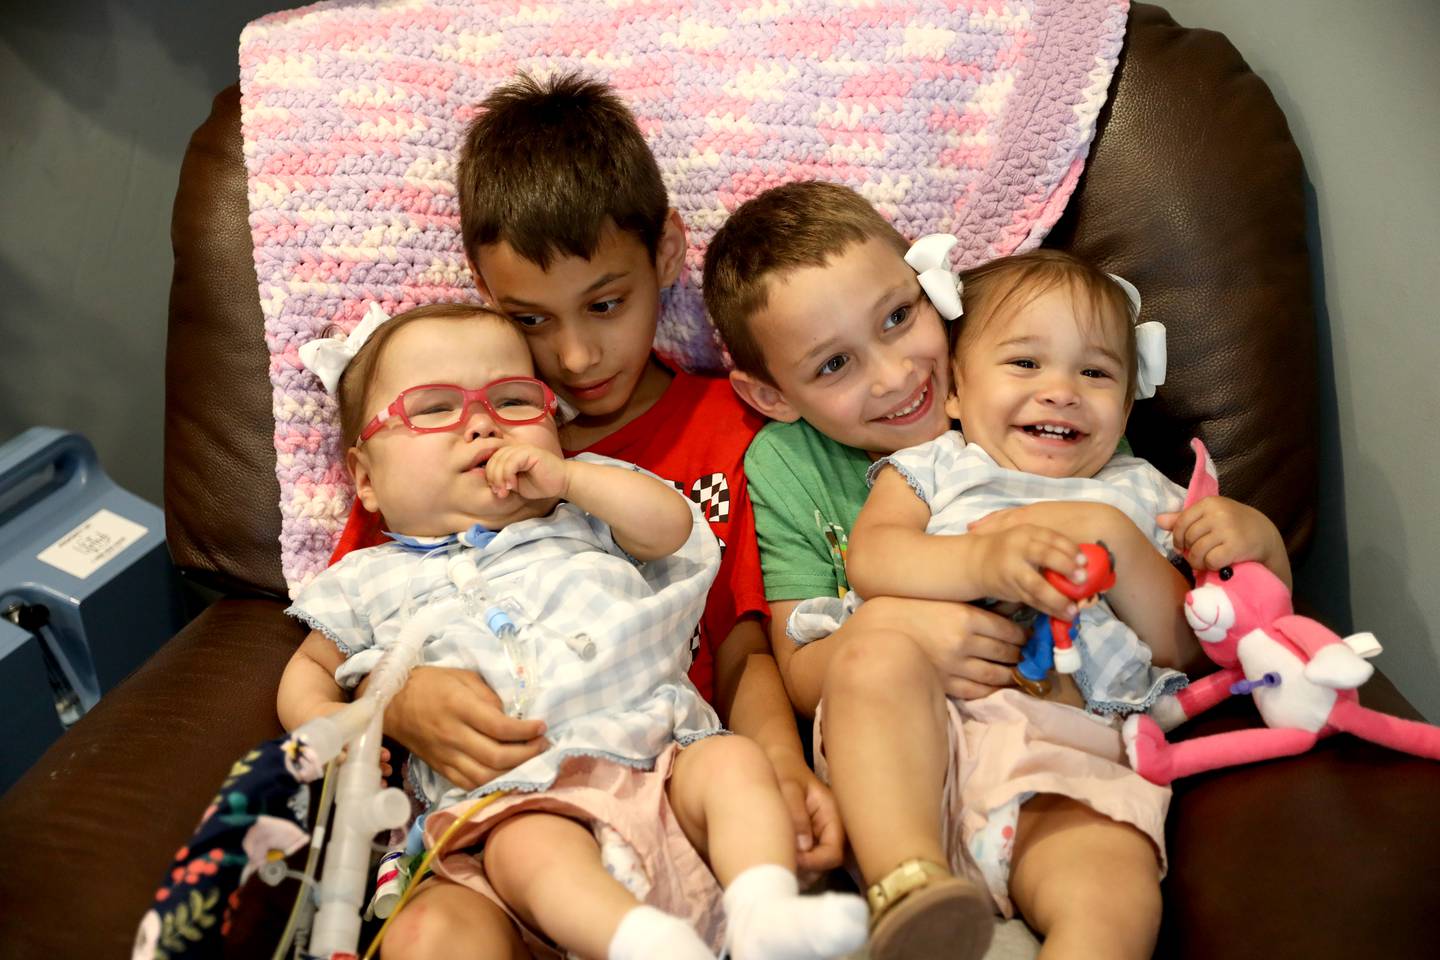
[832, 335]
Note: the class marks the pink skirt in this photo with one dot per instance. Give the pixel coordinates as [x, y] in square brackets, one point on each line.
[1008, 746]
[622, 806]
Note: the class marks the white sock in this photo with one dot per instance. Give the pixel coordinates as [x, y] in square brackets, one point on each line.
[767, 919]
[648, 932]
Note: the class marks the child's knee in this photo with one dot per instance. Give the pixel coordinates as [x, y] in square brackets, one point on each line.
[733, 759]
[416, 933]
[878, 666]
[443, 915]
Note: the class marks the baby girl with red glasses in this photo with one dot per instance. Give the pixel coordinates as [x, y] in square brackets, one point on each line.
[591, 576]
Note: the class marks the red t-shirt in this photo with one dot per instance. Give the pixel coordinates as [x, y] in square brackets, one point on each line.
[695, 436]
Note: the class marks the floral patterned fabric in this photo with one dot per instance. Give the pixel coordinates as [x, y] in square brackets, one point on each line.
[259, 817]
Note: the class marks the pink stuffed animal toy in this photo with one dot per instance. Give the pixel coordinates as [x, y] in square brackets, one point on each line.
[1301, 675]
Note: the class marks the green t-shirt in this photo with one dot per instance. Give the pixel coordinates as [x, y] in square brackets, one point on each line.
[806, 490]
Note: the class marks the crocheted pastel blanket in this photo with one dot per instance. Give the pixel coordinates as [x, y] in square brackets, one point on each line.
[970, 117]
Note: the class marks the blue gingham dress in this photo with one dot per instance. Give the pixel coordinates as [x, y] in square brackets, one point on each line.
[569, 577]
[961, 483]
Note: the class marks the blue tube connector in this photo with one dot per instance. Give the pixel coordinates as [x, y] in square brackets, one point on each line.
[500, 623]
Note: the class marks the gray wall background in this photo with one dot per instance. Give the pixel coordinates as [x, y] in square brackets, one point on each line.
[101, 97]
[1359, 84]
[99, 100]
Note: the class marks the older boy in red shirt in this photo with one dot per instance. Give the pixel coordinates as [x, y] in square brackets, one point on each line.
[568, 229]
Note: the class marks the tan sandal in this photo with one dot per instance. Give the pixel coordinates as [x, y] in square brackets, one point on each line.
[920, 910]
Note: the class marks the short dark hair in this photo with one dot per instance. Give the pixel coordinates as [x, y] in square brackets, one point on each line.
[353, 394]
[784, 229]
[548, 163]
[1009, 283]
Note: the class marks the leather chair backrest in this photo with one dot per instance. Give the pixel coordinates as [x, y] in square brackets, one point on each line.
[221, 494]
[1193, 191]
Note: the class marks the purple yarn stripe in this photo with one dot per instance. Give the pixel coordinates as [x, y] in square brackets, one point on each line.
[967, 116]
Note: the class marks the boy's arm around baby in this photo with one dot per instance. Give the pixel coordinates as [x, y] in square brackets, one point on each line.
[752, 700]
[972, 649]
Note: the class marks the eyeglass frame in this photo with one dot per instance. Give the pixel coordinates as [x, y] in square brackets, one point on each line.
[396, 407]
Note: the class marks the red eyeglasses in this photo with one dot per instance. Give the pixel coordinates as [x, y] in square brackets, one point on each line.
[438, 407]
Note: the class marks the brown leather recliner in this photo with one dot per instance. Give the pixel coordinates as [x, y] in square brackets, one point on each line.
[1193, 191]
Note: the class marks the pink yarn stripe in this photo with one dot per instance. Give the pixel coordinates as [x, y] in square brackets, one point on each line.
[351, 112]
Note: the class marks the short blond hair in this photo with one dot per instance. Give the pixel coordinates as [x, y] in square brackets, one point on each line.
[784, 229]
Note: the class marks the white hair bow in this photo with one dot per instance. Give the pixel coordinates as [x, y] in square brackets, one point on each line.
[929, 257]
[1150, 350]
[328, 357]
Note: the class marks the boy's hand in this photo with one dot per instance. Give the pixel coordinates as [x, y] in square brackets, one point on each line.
[534, 473]
[1218, 532]
[1011, 559]
[819, 838]
[450, 719]
[325, 710]
[972, 649]
[385, 768]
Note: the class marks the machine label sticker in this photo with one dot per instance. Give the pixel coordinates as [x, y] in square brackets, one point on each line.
[91, 545]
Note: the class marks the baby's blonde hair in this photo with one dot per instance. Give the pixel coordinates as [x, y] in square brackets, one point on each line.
[997, 288]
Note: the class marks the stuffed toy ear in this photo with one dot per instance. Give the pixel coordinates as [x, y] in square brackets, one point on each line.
[1204, 482]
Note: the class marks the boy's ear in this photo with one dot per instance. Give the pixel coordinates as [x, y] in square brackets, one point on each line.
[670, 251]
[480, 287]
[763, 396]
[359, 466]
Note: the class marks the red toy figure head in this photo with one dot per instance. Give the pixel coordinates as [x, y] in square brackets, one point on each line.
[1099, 575]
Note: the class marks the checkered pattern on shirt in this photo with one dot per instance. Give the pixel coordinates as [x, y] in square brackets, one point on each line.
[568, 575]
[711, 493]
[962, 483]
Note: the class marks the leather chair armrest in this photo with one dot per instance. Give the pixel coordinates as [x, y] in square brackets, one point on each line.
[1329, 854]
[141, 766]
